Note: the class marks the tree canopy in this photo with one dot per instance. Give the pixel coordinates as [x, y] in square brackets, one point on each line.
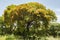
[27, 18]
[32, 11]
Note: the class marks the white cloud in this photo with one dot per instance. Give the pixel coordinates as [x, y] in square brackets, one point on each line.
[58, 18]
[58, 10]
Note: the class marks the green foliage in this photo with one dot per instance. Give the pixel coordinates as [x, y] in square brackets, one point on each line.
[30, 19]
[54, 29]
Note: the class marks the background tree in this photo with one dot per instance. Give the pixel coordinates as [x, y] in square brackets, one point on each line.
[1, 25]
[54, 29]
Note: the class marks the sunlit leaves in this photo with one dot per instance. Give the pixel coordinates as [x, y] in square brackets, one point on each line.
[36, 5]
[52, 14]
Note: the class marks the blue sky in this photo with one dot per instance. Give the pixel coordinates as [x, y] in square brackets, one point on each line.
[52, 4]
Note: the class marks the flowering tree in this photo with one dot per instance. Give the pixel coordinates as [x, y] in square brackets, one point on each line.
[27, 19]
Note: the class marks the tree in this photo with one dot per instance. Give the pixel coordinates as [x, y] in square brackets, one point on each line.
[54, 29]
[27, 16]
[2, 26]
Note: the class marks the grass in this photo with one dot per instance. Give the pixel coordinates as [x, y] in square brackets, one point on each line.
[2, 37]
[6, 37]
[49, 38]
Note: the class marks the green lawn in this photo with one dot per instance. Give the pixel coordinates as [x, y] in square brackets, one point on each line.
[49, 38]
[2, 37]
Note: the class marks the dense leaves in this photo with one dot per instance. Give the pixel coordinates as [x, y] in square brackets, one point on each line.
[28, 19]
